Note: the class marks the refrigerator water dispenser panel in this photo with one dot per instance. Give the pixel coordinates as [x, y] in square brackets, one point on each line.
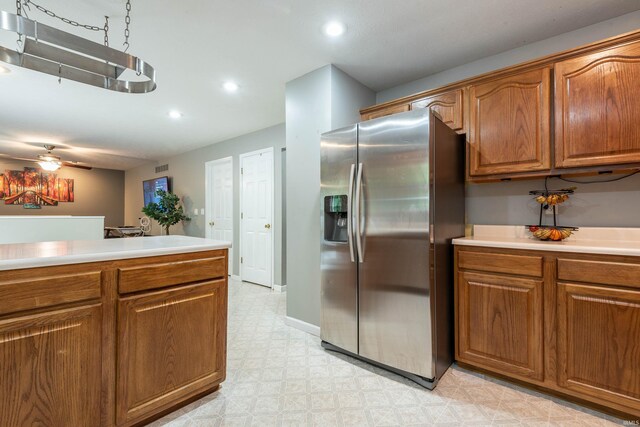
[335, 218]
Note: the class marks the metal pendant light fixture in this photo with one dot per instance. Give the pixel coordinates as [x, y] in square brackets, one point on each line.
[52, 51]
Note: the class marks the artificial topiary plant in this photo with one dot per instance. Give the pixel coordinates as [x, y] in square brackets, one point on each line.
[167, 211]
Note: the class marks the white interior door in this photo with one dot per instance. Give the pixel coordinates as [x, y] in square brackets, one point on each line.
[219, 202]
[256, 217]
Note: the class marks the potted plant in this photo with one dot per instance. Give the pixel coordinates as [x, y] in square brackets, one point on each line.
[167, 211]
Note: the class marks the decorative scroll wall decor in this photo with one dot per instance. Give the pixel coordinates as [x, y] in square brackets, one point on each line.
[33, 188]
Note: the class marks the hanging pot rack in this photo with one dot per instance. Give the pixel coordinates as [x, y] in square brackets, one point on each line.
[58, 53]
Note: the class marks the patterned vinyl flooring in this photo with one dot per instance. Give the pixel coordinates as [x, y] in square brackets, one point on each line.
[280, 376]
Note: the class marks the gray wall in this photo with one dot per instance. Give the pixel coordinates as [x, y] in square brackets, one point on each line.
[614, 204]
[602, 30]
[98, 192]
[317, 102]
[187, 172]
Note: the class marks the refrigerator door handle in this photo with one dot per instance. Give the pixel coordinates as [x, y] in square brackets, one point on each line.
[358, 214]
[350, 211]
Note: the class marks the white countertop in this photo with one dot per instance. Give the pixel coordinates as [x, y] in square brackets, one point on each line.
[593, 240]
[43, 254]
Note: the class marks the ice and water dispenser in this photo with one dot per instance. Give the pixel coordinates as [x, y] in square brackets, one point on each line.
[335, 218]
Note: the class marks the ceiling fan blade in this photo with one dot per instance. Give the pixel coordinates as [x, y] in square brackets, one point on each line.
[76, 165]
[21, 159]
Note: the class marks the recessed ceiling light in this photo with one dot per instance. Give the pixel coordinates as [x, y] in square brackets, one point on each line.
[4, 70]
[334, 28]
[175, 114]
[230, 86]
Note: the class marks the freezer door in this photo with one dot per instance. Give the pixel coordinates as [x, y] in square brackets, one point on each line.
[338, 271]
[393, 216]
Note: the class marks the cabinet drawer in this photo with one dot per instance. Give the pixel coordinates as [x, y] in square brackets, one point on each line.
[154, 276]
[45, 291]
[608, 273]
[525, 265]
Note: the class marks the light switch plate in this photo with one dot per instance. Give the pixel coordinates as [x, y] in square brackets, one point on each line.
[202, 211]
[195, 211]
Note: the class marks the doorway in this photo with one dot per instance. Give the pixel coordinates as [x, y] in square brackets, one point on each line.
[256, 217]
[219, 202]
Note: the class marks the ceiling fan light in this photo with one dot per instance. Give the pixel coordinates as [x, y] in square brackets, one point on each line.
[50, 165]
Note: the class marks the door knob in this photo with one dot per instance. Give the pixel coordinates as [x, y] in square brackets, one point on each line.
[267, 226]
[211, 223]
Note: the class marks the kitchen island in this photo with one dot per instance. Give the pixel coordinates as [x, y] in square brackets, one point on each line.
[110, 332]
[559, 316]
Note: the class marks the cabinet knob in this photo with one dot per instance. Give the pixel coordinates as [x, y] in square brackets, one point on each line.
[211, 223]
[267, 226]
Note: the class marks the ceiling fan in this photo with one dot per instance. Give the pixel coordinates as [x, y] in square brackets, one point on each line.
[50, 162]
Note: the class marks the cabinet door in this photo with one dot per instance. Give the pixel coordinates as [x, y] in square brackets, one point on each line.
[171, 346]
[386, 111]
[448, 105]
[597, 108]
[50, 368]
[500, 323]
[509, 124]
[599, 342]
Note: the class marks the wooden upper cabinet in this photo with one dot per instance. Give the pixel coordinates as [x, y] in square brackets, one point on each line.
[509, 124]
[599, 343]
[386, 111]
[597, 108]
[448, 105]
[500, 323]
[51, 367]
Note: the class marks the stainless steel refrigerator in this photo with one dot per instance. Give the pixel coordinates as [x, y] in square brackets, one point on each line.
[392, 199]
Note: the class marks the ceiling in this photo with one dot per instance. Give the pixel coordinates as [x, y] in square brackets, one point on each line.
[197, 45]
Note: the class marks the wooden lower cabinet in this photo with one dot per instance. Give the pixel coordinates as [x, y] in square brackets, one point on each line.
[500, 323]
[599, 342]
[111, 343]
[572, 328]
[50, 368]
[171, 346]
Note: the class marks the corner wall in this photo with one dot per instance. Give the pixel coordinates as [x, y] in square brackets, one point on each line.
[187, 172]
[317, 102]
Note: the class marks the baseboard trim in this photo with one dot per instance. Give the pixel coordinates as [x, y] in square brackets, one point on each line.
[303, 326]
[279, 288]
[234, 277]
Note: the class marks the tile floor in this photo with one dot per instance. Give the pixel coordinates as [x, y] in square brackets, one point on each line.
[280, 376]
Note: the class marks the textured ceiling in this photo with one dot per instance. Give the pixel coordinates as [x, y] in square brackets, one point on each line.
[195, 45]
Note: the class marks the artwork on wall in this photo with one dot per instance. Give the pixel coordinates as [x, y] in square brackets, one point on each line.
[33, 188]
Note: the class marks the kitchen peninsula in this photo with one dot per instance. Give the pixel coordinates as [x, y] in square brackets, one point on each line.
[110, 332]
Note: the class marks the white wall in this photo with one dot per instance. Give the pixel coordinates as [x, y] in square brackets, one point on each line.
[317, 102]
[187, 171]
[602, 30]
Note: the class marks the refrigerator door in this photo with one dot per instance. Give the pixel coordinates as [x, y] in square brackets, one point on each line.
[338, 270]
[393, 216]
